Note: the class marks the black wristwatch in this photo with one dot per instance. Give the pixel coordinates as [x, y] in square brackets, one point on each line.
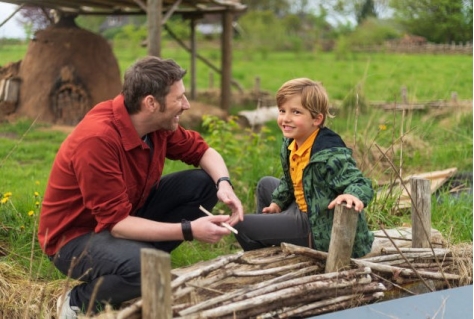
[186, 229]
[227, 179]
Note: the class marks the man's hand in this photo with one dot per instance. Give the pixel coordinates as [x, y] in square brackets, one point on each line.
[208, 229]
[213, 163]
[226, 195]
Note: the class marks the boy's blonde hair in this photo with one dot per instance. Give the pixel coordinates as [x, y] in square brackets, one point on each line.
[314, 97]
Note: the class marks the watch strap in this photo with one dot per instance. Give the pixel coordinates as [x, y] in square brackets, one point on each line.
[187, 231]
[224, 179]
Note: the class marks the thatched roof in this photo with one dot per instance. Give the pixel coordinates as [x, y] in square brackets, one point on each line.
[117, 7]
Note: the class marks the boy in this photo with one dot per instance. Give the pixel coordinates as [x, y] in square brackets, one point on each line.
[319, 172]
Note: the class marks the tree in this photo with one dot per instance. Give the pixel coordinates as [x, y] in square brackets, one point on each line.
[278, 7]
[35, 18]
[367, 9]
[439, 21]
[356, 10]
[262, 32]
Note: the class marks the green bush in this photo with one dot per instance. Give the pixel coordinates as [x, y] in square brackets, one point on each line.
[372, 32]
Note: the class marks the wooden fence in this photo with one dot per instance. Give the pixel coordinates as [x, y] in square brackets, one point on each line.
[426, 48]
[156, 265]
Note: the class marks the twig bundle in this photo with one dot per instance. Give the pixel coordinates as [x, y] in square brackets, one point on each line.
[278, 282]
[289, 281]
[268, 283]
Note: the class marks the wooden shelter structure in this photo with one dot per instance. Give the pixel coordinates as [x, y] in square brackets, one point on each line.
[158, 12]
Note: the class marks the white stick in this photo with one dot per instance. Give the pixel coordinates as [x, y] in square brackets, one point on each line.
[232, 229]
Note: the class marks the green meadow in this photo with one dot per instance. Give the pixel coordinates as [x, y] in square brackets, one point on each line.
[377, 76]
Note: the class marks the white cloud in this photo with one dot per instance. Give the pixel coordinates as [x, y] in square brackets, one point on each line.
[11, 29]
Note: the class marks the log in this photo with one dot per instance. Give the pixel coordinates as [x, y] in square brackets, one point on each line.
[344, 305]
[342, 238]
[405, 272]
[414, 255]
[382, 268]
[260, 115]
[439, 251]
[284, 286]
[287, 305]
[239, 292]
[258, 255]
[298, 282]
[132, 311]
[278, 295]
[201, 271]
[266, 260]
[337, 303]
[294, 249]
[269, 271]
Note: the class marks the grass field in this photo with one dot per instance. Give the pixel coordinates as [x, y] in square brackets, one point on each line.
[379, 77]
[421, 141]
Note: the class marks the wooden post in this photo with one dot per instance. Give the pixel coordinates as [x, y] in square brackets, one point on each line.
[420, 212]
[156, 284]
[154, 16]
[211, 80]
[454, 97]
[192, 24]
[257, 85]
[226, 73]
[404, 95]
[342, 238]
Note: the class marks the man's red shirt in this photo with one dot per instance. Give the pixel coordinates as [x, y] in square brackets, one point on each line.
[103, 172]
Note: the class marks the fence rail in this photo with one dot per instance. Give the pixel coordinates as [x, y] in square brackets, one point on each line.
[426, 48]
[156, 272]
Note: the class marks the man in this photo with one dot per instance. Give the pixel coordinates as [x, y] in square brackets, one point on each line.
[106, 198]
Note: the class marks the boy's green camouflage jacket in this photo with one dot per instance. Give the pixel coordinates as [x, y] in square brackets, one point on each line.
[332, 171]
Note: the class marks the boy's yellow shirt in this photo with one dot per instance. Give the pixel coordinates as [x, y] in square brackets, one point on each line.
[299, 158]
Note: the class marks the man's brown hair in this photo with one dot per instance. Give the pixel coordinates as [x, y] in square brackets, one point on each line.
[150, 76]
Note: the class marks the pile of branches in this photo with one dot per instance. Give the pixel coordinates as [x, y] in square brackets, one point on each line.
[289, 281]
[278, 282]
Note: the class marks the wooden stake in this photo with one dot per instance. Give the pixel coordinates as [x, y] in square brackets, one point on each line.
[421, 212]
[342, 238]
[156, 284]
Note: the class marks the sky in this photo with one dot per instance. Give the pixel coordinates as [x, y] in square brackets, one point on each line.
[11, 29]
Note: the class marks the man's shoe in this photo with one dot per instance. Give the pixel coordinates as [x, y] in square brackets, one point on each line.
[64, 309]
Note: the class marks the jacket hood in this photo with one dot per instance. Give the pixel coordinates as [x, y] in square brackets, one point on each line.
[327, 139]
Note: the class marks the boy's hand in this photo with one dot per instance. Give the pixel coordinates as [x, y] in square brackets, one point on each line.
[351, 201]
[272, 209]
